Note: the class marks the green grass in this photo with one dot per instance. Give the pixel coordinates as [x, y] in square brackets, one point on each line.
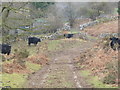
[92, 37]
[33, 67]
[98, 84]
[23, 45]
[7, 62]
[85, 73]
[61, 78]
[74, 32]
[94, 80]
[17, 80]
[63, 44]
[67, 84]
[14, 80]
[53, 45]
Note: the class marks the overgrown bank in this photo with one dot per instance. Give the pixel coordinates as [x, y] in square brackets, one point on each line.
[99, 66]
[23, 61]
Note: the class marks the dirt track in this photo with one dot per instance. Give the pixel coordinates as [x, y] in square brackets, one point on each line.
[61, 71]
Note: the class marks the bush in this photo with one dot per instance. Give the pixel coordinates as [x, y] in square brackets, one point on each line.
[83, 36]
[8, 38]
[60, 37]
[20, 56]
[105, 43]
[3, 58]
[111, 78]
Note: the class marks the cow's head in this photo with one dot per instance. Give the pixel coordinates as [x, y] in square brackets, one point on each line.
[114, 39]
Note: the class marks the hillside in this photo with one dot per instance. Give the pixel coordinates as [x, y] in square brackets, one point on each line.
[108, 27]
[100, 60]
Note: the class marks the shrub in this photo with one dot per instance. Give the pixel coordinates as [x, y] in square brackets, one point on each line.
[60, 37]
[106, 46]
[83, 36]
[20, 56]
[3, 58]
[111, 78]
[106, 43]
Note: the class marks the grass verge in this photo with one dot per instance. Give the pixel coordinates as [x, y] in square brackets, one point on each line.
[53, 45]
[33, 67]
[13, 80]
[93, 80]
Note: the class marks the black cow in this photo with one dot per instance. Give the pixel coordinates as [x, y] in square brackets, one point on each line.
[68, 35]
[33, 40]
[5, 48]
[115, 41]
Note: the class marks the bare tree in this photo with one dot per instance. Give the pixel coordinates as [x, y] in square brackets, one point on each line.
[55, 18]
[70, 13]
[14, 15]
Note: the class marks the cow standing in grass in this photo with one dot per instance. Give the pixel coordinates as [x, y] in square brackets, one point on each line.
[68, 35]
[5, 48]
[33, 40]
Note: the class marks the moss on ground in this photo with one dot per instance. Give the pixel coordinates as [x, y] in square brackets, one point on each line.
[13, 80]
[98, 84]
[85, 73]
[33, 67]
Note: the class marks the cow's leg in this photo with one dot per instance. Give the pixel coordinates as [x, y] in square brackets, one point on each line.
[112, 45]
[8, 53]
[29, 44]
[35, 44]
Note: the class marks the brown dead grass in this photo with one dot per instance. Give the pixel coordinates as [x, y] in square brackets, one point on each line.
[108, 27]
[38, 59]
[96, 59]
[15, 67]
[79, 22]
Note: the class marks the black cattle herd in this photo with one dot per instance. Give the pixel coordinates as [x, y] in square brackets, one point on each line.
[6, 48]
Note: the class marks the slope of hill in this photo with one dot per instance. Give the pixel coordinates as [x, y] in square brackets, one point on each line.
[108, 27]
